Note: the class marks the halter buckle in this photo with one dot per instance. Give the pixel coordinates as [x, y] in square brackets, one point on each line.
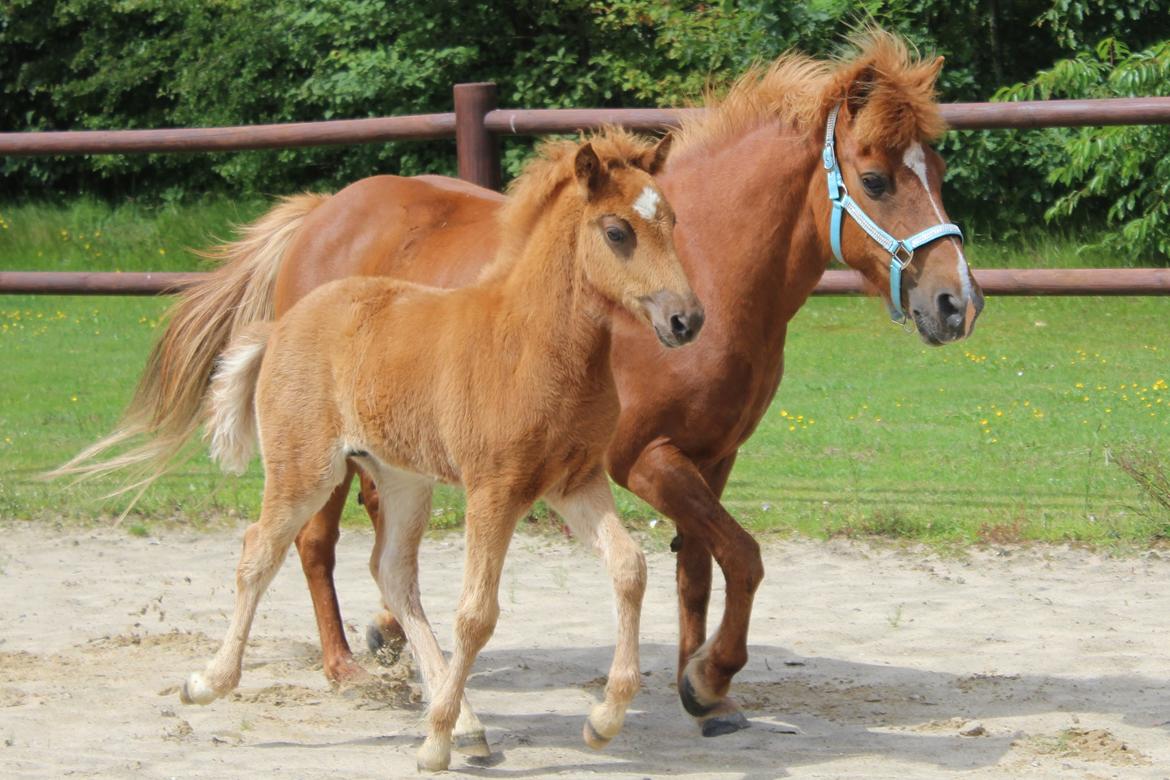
[903, 255]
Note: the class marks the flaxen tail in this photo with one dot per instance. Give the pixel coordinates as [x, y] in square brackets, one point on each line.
[169, 402]
[231, 424]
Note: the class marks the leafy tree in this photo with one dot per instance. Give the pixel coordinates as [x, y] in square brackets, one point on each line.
[1125, 169]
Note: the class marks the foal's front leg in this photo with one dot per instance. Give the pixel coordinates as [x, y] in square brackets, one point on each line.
[490, 521]
[592, 516]
[403, 513]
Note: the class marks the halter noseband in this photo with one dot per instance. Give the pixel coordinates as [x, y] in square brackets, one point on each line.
[901, 252]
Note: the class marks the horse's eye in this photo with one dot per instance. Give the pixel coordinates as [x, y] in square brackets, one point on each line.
[615, 235]
[875, 184]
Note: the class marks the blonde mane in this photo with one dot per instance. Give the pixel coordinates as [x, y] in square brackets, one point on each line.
[543, 178]
[896, 83]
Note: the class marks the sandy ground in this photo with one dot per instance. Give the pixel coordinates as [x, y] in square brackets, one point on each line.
[864, 663]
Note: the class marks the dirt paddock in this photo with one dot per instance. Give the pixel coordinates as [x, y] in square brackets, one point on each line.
[865, 662]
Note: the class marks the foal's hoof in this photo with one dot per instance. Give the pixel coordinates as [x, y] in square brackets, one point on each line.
[592, 738]
[195, 690]
[603, 724]
[434, 756]
[729, 723]
[473, 743]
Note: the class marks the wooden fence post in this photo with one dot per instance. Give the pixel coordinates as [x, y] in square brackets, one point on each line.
[477, 149]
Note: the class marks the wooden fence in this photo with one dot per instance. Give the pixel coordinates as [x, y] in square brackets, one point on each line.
[477, 124]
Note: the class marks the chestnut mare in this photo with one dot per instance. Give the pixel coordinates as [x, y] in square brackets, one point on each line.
[750, 182]
[504, 387]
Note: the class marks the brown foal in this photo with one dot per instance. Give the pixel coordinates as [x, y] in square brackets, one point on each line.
[504, 387]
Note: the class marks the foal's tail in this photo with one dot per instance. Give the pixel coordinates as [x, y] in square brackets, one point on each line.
[231, 425]
[169, 401]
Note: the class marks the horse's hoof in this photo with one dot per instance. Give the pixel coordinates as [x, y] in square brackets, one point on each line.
[690, 699]
[592, 738]
[727, 723]
[195, 690]
[347, 672]
[385, 647]
[433, 756]
[473, 743]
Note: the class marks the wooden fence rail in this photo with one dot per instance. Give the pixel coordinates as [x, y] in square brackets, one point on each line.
[477, 124]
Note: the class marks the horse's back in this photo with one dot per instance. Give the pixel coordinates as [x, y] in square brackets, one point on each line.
[429, 229]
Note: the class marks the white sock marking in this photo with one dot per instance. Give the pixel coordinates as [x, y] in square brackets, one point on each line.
[647, 203]
[915, 160]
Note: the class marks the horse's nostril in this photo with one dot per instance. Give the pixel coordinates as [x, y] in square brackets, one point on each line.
[949, 311]
[678, 325]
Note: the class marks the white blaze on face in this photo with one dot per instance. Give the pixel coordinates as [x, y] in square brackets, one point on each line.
[915, 160]
[647, 203]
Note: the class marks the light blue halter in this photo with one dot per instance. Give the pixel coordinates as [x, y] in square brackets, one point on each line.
[901, 252]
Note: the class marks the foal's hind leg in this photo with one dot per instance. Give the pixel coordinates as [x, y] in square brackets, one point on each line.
[384, 633]
[592, 516]
[490, 523]
[405, 509]
[266, 543]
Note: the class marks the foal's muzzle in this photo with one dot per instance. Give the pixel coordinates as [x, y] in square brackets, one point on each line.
[677, 320]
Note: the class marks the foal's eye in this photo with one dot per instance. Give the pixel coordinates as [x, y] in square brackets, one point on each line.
[875, 184]
[615, 235]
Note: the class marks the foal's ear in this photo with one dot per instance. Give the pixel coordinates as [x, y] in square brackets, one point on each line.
[587, 166]
[652, 160]
[935, 68]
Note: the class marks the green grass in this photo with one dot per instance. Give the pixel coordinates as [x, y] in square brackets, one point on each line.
[1007, 437]
[89, 235]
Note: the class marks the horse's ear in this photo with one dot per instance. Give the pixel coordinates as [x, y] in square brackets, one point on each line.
[652, 160]
[859, 88]
[587, 166]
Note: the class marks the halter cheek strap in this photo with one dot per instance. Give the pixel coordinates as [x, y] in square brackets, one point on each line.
[901, 252]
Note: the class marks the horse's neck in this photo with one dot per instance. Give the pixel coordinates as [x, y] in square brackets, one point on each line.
[746, 231]
[550, 304]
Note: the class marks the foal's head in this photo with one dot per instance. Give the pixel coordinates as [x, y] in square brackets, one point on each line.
[886, 118]
[624, 226]
[626, 241]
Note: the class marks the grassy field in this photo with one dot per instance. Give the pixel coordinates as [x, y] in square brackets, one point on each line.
[1013, 435]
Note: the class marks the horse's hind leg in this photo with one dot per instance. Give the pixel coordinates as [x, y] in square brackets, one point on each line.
[490, 523]
[266, 543]
[316, 545]
[405, 510]
[591, 514]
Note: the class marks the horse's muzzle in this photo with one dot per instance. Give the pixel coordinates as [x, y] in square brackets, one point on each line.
[946, 316]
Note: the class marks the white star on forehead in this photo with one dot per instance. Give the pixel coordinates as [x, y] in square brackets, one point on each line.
[915, 160]
[647, 203]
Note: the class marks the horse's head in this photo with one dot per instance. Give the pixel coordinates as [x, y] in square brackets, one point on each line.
[626, 241]
[885, 215]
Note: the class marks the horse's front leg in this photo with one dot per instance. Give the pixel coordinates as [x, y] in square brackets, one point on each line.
[671, 482]
[592, 516]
